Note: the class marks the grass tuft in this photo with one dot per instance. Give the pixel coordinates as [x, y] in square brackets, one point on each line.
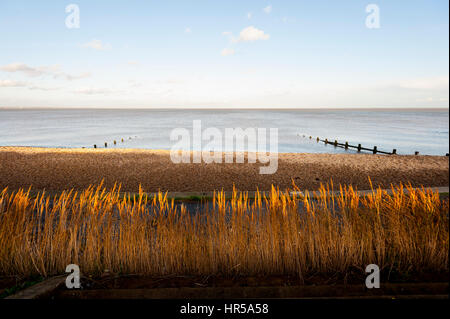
[281, 233]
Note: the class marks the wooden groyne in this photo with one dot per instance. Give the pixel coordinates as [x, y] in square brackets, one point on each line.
[114, 142]
[358, 147]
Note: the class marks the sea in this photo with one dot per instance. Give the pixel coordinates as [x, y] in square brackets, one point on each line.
[407, 130]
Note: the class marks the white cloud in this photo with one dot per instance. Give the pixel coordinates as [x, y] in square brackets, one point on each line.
[133, 62]
[70, 77]
[21, 67]
[226, 52]
[268, 9]
[134, 84]
[96, 45]
[30, 86]
[251, 34]
[11, 83]
[53, 70]
[187, 30]
[171, 81]
[42, 88]
[249, 15]
[93, 91]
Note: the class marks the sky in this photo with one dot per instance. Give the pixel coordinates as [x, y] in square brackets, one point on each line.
[224, 54]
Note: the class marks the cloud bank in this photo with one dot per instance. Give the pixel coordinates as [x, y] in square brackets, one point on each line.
[53, 70]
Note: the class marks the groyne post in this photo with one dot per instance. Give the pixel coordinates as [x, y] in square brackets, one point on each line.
[347, 146]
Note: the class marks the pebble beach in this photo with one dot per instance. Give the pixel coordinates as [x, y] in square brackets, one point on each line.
[56, 169]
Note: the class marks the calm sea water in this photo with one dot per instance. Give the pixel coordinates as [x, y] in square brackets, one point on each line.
[426, 131]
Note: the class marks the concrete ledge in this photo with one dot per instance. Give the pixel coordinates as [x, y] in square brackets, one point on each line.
[41, 290]
[387, 291]
[54, 288]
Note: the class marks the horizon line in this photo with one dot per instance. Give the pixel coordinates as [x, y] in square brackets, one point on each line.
[219, 108]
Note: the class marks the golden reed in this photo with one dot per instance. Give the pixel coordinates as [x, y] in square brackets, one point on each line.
[283, 233]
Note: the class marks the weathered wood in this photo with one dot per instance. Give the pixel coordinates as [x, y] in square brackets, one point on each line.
[346, 146]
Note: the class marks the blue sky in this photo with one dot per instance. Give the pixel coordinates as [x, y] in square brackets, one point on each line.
[307, 54]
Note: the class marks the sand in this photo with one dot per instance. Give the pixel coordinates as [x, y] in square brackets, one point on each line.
[57, 169]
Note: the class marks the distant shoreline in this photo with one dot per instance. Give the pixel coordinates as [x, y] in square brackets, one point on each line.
[375, 109]
[57, 169]
[138, 149]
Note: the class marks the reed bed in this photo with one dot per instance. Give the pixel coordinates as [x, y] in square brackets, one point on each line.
[282, 233]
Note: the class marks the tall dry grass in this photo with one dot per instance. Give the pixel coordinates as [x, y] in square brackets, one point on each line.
[282, 233]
